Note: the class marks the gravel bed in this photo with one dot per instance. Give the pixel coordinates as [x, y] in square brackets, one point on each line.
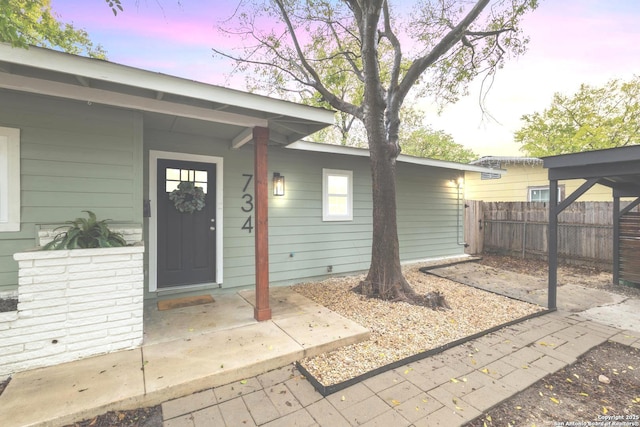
[399, 330]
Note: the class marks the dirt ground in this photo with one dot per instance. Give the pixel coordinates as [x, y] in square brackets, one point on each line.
[575, 394]
[142, 417]
[590, 277]
[579, 394]
[572, 395]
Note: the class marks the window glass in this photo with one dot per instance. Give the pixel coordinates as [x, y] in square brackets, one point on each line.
[338, 184]
[337, 195]
[175, 176]
[539, 195]
[338, 205]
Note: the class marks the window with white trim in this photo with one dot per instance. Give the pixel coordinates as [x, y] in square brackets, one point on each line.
[337, 195]
[541, 194]
[9, 179]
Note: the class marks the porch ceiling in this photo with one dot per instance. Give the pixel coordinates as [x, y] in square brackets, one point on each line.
[617, 168]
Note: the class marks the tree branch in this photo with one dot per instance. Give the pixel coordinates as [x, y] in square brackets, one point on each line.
[447, 42]
[348, 55]
[394, 102]
[333, 100]
[397, 49]
[484, 34]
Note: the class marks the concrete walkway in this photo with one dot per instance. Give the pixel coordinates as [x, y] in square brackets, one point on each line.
[178, 359]
[448, 389]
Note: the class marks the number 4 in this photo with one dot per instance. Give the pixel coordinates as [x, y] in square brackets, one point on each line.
[247, 225]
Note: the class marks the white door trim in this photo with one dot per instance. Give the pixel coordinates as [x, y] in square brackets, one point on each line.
[153, 220]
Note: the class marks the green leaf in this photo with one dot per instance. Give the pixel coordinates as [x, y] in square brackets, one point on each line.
[593, 118]
[33, 22]
[86, 233]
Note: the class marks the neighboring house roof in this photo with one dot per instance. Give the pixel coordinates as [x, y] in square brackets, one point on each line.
[363, 152]
[492, 160]
[168, 102]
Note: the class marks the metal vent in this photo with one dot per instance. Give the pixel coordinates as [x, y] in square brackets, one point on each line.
[488, 175]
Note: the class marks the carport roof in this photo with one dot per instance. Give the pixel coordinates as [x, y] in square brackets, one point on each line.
[617, 168]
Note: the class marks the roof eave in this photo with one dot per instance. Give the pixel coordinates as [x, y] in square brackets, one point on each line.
[83, 67]
[361, 152]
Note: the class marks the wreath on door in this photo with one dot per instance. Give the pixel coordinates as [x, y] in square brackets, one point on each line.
[187, 198]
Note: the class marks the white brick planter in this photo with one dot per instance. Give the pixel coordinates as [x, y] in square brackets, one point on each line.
[73, 304]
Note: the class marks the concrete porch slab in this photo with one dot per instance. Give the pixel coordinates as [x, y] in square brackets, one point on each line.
[214, 359]
[187, 350]
[314, 327]
[228, 311]
[58, 395]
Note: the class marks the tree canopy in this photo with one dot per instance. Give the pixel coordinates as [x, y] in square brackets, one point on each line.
[439, 145]
[591, 119]
[32, 22]
[415, 138]
[388, 48]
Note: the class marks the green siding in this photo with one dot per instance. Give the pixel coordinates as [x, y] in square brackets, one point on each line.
[74, 157]
[301, 245]
[427, 213]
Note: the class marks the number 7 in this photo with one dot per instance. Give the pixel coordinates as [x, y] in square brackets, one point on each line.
[249, 177]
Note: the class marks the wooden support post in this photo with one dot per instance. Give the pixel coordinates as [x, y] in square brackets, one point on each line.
[262, 311]
[616, 239]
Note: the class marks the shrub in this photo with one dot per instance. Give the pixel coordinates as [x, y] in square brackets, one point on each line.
[86, 233]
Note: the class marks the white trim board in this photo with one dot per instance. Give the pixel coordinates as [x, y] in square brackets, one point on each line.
[153, 220]
[363, 152]
[9, 179]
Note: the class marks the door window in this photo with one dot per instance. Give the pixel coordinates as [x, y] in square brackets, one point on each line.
[176, 176]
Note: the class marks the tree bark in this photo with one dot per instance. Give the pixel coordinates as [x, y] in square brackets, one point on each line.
[385, 279]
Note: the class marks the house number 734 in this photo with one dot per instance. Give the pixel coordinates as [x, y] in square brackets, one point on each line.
[247, 206]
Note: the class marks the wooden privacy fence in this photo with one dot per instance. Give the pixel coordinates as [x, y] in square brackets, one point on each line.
[630, 247]
[585, 230]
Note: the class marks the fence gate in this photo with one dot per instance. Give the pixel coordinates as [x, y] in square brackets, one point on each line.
[473, 225]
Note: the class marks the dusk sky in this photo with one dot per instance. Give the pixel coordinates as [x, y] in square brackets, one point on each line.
[572, 42]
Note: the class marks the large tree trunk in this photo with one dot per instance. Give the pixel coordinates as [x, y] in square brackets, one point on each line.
[385, 279]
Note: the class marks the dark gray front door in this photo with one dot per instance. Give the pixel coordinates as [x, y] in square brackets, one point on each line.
[186, 241]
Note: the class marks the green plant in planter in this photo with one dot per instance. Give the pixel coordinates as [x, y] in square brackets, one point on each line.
[86, 233]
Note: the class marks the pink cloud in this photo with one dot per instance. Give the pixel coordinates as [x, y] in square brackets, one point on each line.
[580, 29]
[190, 25]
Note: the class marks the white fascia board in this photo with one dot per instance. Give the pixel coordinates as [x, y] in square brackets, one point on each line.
[363, 152]
[447, 165]
[121, 74]
[328, 148]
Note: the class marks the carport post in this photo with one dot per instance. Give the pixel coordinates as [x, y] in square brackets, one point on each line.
[262, 311]
[552, 252]
[616, 239]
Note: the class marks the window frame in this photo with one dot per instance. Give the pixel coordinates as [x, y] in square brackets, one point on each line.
[544, 187]
[326, 215]
[9, 179]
